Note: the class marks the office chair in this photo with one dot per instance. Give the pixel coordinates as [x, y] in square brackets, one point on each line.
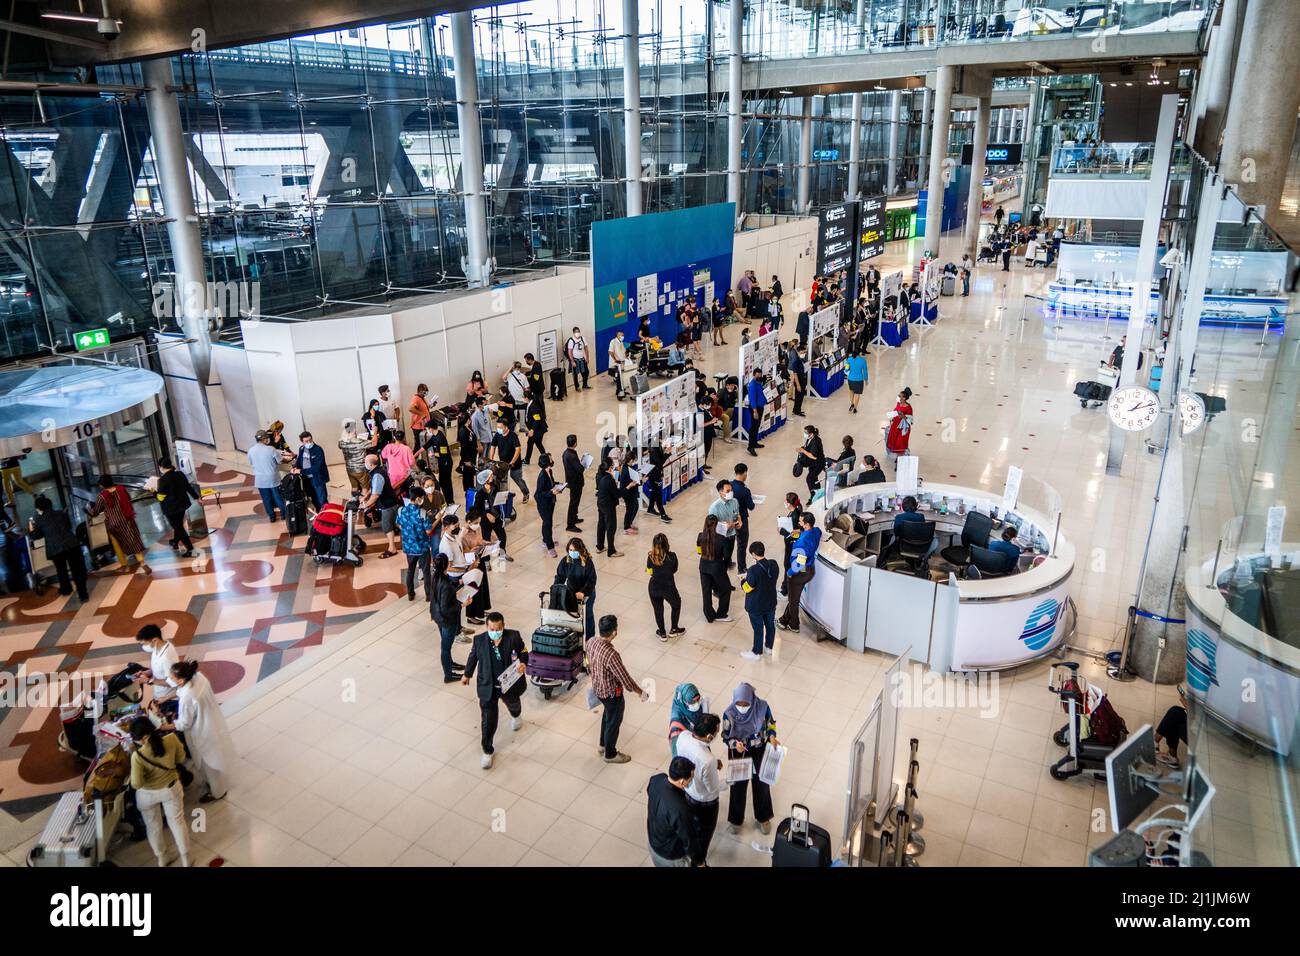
[990, 564]
[910, 547]
[975, 531]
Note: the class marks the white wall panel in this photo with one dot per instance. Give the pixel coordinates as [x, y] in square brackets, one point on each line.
[230, 368]
[330, 383]
[273, 371]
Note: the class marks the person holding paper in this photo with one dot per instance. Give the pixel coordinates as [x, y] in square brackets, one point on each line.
[629, 486]
[803, 564]
[459, 563]
[505, 449]
[544, 495]
[748, 727]
[607, 497]
[444, 608]
[535, 427]
[713, 549]
[574, 480]
[760, 601]
[899, 431]
[661, 566]
[786, 525]
[416, 527]
[704, 791]
[609, 682]
[757, 400]
[493, 653]
[813, 457]
[744, 499]
[654, 479]
[577, 571]
[688, 706]
[727, 510]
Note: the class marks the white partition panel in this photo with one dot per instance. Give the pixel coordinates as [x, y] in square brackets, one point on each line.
[273, 371]
[899, 613]
[858, 586]
[377, 358]
[943, 630]
[422, 354]
[331, 388]
[230, 372]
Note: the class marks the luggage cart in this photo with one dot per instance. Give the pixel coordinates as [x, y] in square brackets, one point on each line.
[549, 673]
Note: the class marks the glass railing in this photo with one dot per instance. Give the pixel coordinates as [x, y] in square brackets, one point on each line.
[1103, 160]
[983, 21]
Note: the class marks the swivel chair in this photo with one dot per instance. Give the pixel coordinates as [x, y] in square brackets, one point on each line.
[975, 531]
[911, 546]
[990, 564]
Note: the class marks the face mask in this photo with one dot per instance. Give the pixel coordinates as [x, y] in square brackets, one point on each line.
[147, 648]
[307, 444]
[694, 708]
[501, 432]
[496, 636]
[742, 709]
[575, 555]
[428, 491]
[173, 682]
[807, 436]
[727, 496]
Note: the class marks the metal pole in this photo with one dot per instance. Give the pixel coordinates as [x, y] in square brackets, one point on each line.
[735, 96]
[190, 289]
[632, 106]
[477, 268]
[805, 157]
[855, 112]
[895, 110]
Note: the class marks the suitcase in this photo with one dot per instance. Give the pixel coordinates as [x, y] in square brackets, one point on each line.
[557, 641]
[555, 667]
[949, 286]
[799, 842]
[69, 837]
[559, 385]
[1087, 392]
[295, 517]
[639, 383]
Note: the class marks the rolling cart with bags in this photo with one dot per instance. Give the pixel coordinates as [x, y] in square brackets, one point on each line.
[556, 660]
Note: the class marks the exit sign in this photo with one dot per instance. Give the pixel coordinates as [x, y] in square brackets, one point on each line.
[90, 339]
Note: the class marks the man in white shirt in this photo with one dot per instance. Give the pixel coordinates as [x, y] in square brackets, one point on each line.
[617, 356]
[457, 562]
[576, 350]
[517, 387]
[391, 411]
[705, 788]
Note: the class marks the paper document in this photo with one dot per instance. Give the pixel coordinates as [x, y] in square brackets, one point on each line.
[466, 594]
[472, 578]
[739, 770]
[560, 487]
[501, 500]
[786, 524]
[759, 499]
[488, 550]
[586, 461]
[770, 771]
[509, 677]
[450, 510]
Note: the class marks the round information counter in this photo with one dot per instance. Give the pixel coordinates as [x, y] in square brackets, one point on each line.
[952, 622]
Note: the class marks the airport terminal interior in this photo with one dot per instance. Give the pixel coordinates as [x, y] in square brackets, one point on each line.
[728, 433]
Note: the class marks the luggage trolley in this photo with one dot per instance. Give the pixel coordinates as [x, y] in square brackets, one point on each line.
[556, 658]
[1085, 752]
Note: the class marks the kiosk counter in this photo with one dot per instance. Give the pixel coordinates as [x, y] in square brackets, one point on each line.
[950, 622]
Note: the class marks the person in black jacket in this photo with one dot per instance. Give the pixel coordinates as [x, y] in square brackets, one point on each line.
[535, 424]
[872, 473]
[574, 479]
[745, 498]
[577, 572]
[793, 509]
[668, 816]
[444, 608]
[713, 549]
[536, 378]
[491, 654]
[813, 457]
[175, 494]
[629, 489]
[801, 328]
[655, 479]
[544, 496]
[760, 600]
[61, 546]
[437, 452]
[607, 497]
[661, 565]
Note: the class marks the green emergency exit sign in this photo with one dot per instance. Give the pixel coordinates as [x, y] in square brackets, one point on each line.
[90, 339]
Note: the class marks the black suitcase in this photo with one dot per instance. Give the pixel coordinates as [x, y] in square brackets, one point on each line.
[295, 517]
[562, 598]
[800, 843]
[559, 385]
[1087, 392]
[558, 641]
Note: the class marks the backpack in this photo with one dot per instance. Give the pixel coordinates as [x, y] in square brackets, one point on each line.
[1107, 727]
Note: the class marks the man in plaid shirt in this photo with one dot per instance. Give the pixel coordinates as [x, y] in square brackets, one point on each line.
[609, 679]
[416, 528]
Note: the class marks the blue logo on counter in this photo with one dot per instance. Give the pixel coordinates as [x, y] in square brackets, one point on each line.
[1201, 666]
[1041, 625]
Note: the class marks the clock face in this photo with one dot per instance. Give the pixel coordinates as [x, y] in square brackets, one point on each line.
[1191, 410]
[1133, 408]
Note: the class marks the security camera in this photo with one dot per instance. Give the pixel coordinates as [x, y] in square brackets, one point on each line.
[107, 27]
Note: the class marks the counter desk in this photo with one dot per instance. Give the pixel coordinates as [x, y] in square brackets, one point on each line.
[955, 624]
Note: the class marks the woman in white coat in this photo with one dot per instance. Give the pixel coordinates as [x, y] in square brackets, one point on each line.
[206, 735]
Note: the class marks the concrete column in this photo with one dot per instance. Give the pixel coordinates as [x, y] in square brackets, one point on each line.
[190, 291]
[975, 201]
[632, 106]
[1146, 263]
[922, 162]
[1261, 121]
[735, 100]
[1158, 651]
[945, 76]
[1214, 87]
[477, 268]
[805, 157]
[891, 171]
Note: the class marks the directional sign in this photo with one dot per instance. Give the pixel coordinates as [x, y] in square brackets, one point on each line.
[90, 339]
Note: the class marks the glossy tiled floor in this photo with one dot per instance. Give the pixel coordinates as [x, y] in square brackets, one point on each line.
[357, 754]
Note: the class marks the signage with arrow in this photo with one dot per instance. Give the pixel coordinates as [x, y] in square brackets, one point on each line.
[90, 339]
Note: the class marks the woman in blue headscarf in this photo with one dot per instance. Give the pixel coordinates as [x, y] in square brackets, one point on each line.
[748, 727]
[688, 705]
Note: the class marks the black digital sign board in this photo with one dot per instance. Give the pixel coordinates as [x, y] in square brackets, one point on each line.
[837, 239]
[871, 228]
[995, 154]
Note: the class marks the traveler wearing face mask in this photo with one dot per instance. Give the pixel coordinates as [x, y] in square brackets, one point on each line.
[688, 705]
[544, 494]
[797, 363]
[803, 564]
[577, 571]
[813, 457]
[445, 608]
[661, 566]
[458, 563]
[155, 778]
[200, 719]
[311, 462]
[494, 651]
[748, 727]
[417, 527]
[760, 585]
[437, 451]
[617, 357]
[607, 497]
[704, 791]
[505, 448]
[727, 510]
[610, 682]
[162, 655]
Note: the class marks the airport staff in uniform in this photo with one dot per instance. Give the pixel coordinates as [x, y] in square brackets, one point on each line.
[575, 478]
[757, 400]
[493, 652]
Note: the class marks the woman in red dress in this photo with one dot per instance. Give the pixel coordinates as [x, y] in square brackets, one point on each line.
[114, 503]
[899, 431]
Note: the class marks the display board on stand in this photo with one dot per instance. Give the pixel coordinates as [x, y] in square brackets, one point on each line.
[892, 328]
[648, 265]
[667, 416]
[926, 309]
[824, 354]
[762, 352]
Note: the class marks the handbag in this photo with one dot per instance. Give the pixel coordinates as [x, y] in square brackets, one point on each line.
[798, 467]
